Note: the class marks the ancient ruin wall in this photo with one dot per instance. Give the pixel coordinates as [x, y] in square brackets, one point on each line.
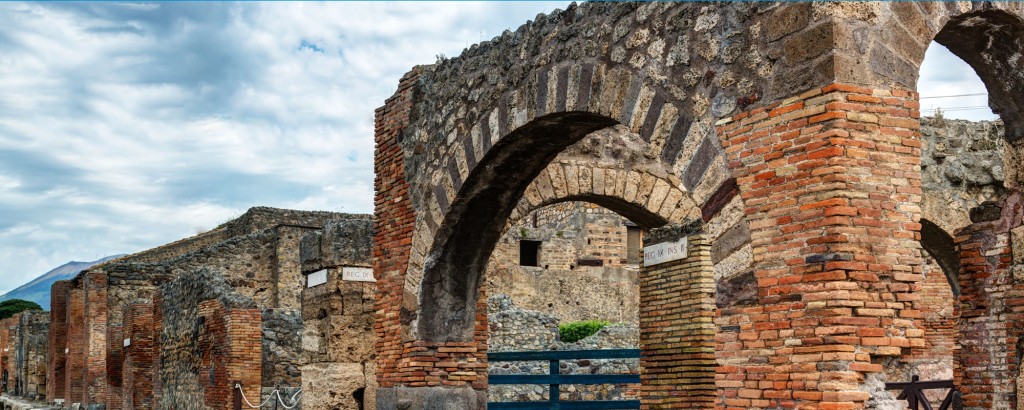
[31, 353]
[513, 328]
[337, 335]
[583, 270]
[183, 362]
[961, 167]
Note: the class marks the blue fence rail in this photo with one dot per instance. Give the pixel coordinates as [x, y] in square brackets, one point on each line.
[553, 379]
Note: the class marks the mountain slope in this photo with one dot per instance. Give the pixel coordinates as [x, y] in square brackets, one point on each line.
[38, 290]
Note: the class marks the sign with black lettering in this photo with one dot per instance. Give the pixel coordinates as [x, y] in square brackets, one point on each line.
[665, 252]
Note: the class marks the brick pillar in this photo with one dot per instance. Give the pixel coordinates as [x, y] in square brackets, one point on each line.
[75, 350]
[55, 366]
[677, 330]
[449, 375]
[5, 355]
[830, 181]
[393, 226]
[11, 350]
[992, 305]
[231, 344]
[114, 361]
[158, 324]
[96, 337]
[137, 367]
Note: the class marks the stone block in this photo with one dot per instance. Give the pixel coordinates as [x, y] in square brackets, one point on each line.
[329, 386]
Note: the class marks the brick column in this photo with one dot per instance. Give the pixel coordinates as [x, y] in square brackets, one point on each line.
[114, 360]
[677, 330]
[55, 366]
[6, 354]
[96, 338]
[232, 343]
[137, 368]
[74, 387]
[158, 317]
[830, 181]
[992, 305]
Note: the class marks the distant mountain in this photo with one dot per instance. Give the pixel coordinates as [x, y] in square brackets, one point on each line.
[38, 290]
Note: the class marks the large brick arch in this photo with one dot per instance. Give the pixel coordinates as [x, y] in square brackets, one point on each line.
[990, 38]
[790, 126]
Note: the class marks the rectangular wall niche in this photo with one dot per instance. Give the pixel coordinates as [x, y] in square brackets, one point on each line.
[529, 253]
[316, 278]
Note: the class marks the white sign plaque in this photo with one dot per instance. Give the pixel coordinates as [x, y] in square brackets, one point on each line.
[357, 274]
[316, 278]
[127, 342]
[664, 252]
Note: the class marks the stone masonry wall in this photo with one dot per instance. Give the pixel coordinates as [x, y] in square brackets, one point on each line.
[257, 254]
[31, 353]
[24, 338]
[187, 356]
[516, 329]
[961, 167]
[568, 283]
[337, 335]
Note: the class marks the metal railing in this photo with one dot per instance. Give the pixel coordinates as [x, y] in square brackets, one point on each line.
[913, 392]
[554, 380]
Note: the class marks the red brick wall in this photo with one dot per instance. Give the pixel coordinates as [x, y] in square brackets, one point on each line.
[96, 334]
[831, 184]
[74, 387]
[55, 366]
[231, 345]
[158, 316]
[677, 332]
[114, 361]
[405, 362]
[394, 224]
[992, 315]
[939, 314]
[6, 349]
[137, 368]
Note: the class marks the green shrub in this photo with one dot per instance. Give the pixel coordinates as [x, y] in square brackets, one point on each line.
[574, 331]
[12, 307]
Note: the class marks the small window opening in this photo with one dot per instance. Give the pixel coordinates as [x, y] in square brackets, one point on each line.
[529, 253]
[634, 235]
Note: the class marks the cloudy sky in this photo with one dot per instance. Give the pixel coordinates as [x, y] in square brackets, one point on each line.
[126, 126]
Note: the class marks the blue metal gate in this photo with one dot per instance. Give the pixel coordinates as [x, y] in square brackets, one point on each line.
[553, 379]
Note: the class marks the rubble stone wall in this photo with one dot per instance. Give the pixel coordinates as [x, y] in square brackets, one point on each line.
[513, 328]
[187, 354]
[583, 271]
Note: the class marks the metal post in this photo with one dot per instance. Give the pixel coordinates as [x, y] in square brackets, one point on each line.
[912, 397]
[236, 387]
[553, 390]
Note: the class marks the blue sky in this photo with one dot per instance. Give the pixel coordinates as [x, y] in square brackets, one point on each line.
[126, 126]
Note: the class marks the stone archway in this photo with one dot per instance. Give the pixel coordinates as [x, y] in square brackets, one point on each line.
[794, 121]
[960, 234]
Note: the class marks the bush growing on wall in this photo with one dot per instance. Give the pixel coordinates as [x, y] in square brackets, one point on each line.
[574, 331]
[12, 307]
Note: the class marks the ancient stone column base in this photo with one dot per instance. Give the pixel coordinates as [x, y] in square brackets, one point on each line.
[431, 398]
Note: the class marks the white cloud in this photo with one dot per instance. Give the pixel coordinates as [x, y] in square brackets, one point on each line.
[126, 126]
[946, 83]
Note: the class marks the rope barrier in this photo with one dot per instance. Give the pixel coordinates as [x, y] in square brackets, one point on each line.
[277, 393]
